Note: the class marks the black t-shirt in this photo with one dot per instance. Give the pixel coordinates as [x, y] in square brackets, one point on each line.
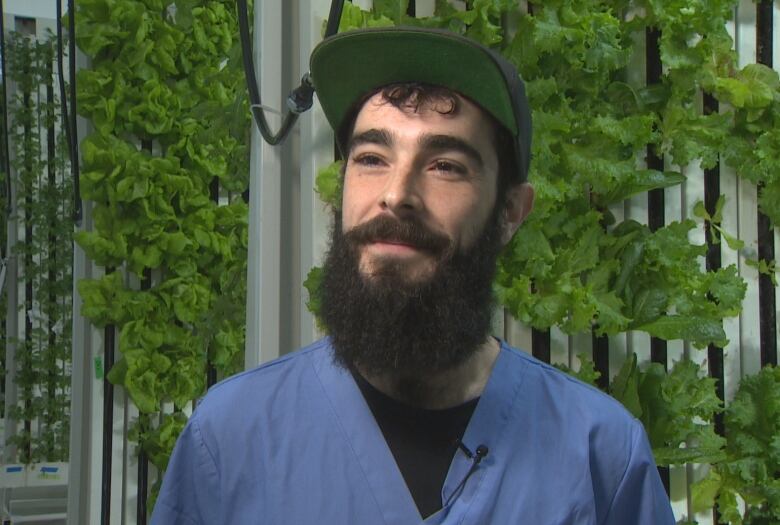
[423, 442]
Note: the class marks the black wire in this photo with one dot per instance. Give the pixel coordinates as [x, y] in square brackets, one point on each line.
[251, 83]
[300, 99]
[246, 52]
[334, 17]
[74, 150]
[61, 73]
[476, 459]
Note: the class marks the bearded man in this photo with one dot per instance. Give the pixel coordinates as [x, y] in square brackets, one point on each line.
[410, 411]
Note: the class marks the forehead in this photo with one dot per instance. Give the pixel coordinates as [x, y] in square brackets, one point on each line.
[445, 114]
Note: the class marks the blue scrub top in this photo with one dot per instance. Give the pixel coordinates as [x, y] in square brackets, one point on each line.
[294, 443]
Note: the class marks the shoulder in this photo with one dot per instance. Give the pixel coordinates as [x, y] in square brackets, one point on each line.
[555, 397]
[262, 388]
[592, 431]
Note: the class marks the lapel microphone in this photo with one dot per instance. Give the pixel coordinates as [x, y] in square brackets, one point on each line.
[476, 459]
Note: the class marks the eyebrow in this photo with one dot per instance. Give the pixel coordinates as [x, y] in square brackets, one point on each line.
[450, 143]
[427, 141]
[380, 137]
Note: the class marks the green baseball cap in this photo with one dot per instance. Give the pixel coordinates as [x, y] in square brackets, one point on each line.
[347, 66]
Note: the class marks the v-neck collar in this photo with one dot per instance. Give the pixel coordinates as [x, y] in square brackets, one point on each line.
[382, 474]
[487, 428]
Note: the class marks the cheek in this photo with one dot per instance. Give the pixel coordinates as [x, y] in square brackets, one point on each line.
[352, 202]
[467, 220]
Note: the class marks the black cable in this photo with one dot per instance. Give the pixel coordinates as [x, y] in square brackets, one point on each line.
[74, 149]
[300, 100]
[476, 459]
[767, 292]
[143, 423]
[63, 94]
[334, 17]
[109, 340]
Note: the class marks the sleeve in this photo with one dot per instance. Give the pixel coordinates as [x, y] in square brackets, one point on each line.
[190, 489]
[640, 498]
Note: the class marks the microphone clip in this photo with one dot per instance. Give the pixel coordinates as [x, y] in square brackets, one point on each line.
[476, 458]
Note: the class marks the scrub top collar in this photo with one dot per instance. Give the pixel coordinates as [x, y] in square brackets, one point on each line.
[486, 427]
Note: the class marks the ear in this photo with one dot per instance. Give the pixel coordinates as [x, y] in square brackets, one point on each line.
[518, 203]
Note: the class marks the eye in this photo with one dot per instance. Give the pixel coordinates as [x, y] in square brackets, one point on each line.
[368, 160]
[449, 168]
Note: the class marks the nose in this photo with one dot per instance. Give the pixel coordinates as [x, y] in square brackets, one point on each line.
[402, 193]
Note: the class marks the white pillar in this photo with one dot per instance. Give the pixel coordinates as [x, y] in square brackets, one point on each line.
[316, 152]
[263, 290]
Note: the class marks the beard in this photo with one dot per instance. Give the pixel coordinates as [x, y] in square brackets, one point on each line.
[386, 323]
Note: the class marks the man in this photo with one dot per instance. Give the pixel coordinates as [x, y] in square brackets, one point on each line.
[410, 411]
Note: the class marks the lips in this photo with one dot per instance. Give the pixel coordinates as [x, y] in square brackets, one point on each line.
[394, 247]
[394, 242]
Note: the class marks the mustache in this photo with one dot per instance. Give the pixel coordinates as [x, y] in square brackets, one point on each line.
[407, 231]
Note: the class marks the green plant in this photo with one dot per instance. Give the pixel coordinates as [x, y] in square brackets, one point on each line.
[675, 407]
[751, 469]
[586, 372]
[714, 221]
[571, 264]
[166, 96]
[44, 208]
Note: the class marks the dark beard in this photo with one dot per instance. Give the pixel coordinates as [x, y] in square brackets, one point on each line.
[386, 325]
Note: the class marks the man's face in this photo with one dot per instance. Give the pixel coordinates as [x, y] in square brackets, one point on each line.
[406, 286]
[431, 170]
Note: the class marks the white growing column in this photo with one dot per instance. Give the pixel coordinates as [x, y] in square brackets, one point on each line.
[263, 309]
[316, 152]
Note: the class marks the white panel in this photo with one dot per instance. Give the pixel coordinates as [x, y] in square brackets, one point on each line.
[86, 412]
[750, 349]
[637, 342]
[424, 8]
[34, 9]
[776, 240]
[580, 343]
[635, 208]
[673, 198]
[696, 473]
[129, 466]
[559, 346]
[678, 490]
[745, 33]
[316, 153]
[729, 186]
[96, 430]
[776, 38]
[750, 340]
[81, 395]
[689, 193]
[618, 344]
[517, 334]
[618, 353]
[693, 473]
[118, 435]
[263, 306]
